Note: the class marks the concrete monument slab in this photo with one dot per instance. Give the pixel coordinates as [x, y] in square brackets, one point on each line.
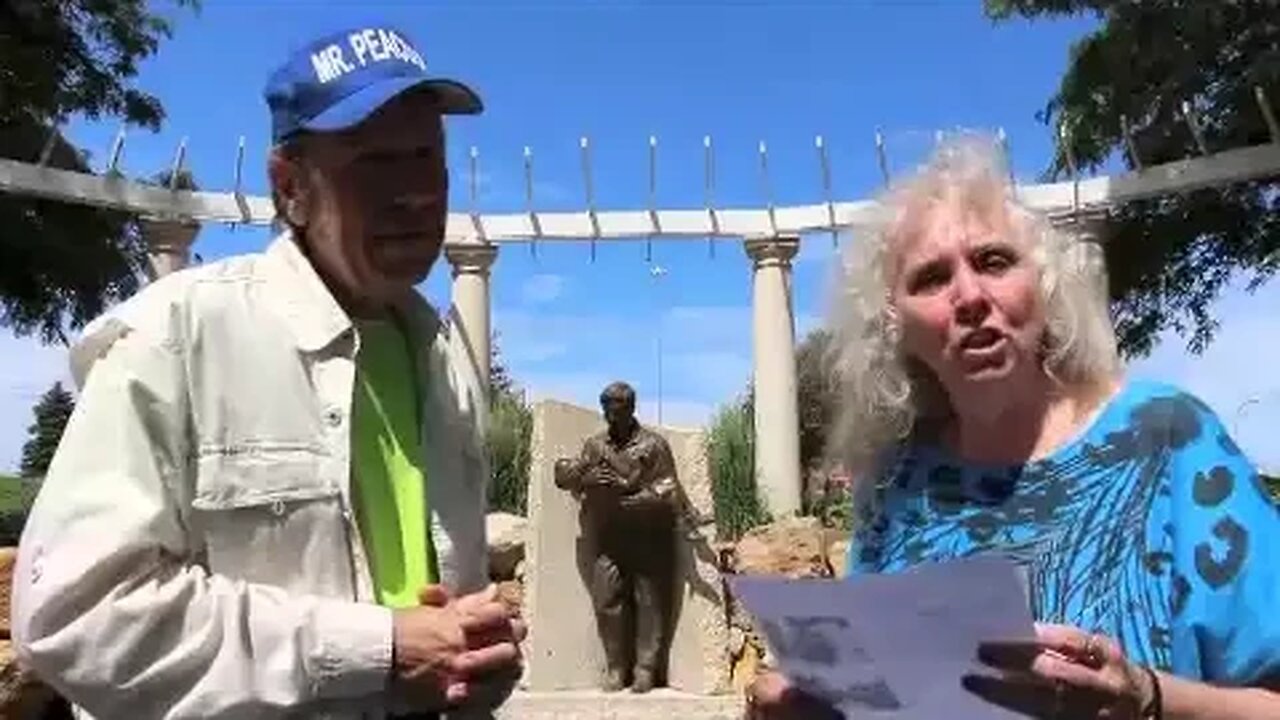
[564, 650]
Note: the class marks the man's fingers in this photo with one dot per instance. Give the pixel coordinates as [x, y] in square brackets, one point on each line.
[519, 630]
[482, 660]
[490, 615]
[467, 603]
[505, 633]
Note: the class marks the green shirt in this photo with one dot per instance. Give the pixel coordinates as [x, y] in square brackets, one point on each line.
[390, 480]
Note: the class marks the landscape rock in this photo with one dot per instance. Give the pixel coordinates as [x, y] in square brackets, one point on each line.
[793, 548]
[506, 533]
[22, 695]
[737, 641]
[8, 556]
[838, 558]
[745, 668]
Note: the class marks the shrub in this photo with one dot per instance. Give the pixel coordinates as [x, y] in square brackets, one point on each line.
[731, 451]
[510, 433]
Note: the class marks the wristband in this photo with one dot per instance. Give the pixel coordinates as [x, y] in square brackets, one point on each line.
[1155, 706]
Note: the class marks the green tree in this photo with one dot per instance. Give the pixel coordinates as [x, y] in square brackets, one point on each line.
[61, 264]
[509, 437]
[1169, 257]
[816, 397]
[51, 415]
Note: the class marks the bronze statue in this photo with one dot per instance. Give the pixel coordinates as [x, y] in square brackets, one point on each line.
[625, 480]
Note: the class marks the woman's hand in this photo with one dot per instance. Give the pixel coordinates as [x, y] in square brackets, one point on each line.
[1066, 673]
[771, 697]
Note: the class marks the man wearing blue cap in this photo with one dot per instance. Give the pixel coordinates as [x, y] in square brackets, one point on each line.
[270, 499]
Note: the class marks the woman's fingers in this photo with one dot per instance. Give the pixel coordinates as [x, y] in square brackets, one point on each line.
[772, 697]
[1089, 666]
[1088, 648]
[769, 689]
[1023, 695]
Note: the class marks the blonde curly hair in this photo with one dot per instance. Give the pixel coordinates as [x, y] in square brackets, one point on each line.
[885, 396]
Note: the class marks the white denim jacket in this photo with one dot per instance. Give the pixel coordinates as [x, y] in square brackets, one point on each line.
[193, 552]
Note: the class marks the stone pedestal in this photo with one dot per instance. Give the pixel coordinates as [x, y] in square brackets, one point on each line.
[662, 704]
[564, 651]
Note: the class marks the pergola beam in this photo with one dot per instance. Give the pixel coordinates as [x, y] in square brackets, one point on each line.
[1231, 166]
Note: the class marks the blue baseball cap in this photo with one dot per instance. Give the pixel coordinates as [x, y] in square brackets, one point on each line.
[337, 81]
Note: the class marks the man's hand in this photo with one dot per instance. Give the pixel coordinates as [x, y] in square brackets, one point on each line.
[446, 644]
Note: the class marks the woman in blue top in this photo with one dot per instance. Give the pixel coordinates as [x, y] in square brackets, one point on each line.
[984, 410]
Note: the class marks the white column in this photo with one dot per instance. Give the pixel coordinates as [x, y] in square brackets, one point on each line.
[168, 245]
[471, 264]
[777, 417]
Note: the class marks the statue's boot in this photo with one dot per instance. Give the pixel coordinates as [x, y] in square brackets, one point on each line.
[645, 680]
[614, 680]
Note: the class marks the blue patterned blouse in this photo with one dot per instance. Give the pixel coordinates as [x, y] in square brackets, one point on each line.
[1151, 527]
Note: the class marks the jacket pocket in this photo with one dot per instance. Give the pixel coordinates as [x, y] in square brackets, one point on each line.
[268, 517]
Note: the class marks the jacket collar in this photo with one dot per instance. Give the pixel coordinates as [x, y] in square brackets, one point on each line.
[310, 309]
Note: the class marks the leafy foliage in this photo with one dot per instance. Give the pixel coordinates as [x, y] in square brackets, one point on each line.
[1170, 257]
[817, 396]
[62, 264]
[52, 413]
[16, 496]
[731, 450]
[509, 438]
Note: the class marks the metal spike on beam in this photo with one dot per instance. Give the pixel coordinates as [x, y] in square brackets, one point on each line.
[1064, 136]
[117, 149]
[238, 189]
[473, 158]
[1267, 113]
[1127, 131]
[179, 161]
[46, 152]
[653, 198]
[709, 192]
[1003, 139]
[824, 165]
[882, 158]
[585, 144]
[1193, 124]
[768, 188]
[528, 198]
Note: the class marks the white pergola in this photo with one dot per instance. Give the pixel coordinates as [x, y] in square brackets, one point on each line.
[771, 236]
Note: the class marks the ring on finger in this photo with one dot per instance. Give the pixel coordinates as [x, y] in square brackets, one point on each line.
[1092, 651]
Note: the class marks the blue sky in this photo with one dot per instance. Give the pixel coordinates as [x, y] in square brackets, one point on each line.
[619, 71]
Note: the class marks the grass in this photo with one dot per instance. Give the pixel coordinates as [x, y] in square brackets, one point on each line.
[16, 494]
